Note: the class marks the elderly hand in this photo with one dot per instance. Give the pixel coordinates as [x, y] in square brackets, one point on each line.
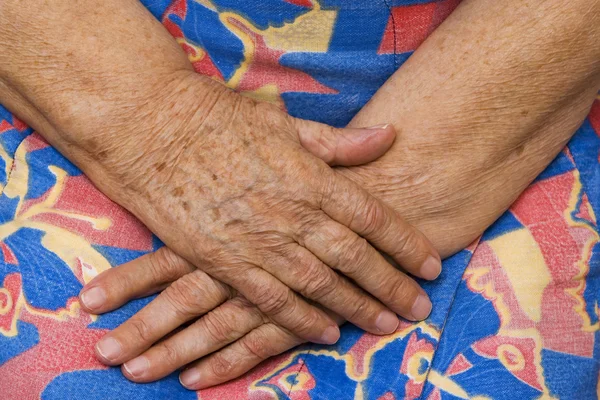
[228, 336]
[223, 180]
[453, 196]
[230, 188]
[196, 293]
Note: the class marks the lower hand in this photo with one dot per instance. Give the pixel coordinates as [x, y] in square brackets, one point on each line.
[228, 335]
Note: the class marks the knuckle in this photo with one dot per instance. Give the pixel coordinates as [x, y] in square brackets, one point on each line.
[257, 345]
[327, 190]
[207, 290]
[357, 251]
[243, 304]
[141, 329]
[218, 328]
[340, 241]
[195, 293]
[308, 273]
[276, 301]
[308, 223]
[169, 353]
[408, 243]
[221, 367]
[361, 309]
[182, 297]
[398, 290]
[373, 217]
[305, 323]
[243, 307]
[320, 284]
[325, 139]
[159, 268]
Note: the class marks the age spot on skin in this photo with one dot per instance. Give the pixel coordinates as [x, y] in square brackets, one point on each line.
[216, 214]
[233, 222]
[178, 191]
[519, 150]
[214, 177]
[185, 206]
[160, 167]
[91, 144]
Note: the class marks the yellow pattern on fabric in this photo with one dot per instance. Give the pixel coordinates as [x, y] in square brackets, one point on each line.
[348, 359]
[582, 263]
[523, 263]
[70, 247]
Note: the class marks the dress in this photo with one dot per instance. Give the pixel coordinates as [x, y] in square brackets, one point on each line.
[515, 315]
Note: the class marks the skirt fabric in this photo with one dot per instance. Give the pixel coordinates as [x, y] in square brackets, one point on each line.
[515, 315]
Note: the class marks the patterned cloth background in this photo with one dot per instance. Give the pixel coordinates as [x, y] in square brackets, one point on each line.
[515, 316]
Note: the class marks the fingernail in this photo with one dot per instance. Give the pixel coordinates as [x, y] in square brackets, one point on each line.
[384, 126]
[331, 335]
[108, 348]
[190, 378]
[431, 268]
[93, 298]
[137, 367]
[387, 322]
[421, 308]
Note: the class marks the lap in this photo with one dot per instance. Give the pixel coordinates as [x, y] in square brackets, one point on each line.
[516, 313]
[515, 316]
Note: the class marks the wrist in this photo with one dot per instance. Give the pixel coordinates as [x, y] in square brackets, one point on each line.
[137, 137]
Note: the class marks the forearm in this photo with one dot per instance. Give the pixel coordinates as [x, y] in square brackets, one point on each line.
[481, 108]
[85, 70]
[223, 180]
[496, 88]
[67, 58]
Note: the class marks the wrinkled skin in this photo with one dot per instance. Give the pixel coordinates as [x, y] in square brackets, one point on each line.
[506, 99]
[451, 173]
[227, 182]
[232, 189]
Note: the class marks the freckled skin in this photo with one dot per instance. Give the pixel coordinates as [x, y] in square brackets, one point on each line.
[420, 170]
[479, 96]
[178, 191]
[255, 194]
[233, 184]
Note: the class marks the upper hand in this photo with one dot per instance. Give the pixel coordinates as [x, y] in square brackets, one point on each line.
[233, 191]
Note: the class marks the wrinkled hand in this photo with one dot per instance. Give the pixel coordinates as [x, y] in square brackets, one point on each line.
[234, 192]
[229, 335]
[196, 293]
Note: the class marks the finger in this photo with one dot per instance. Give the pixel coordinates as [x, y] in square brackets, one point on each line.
[283, 305]
[138, 278]
[238, 358]
[306, 274]
[220, 327]
[353, 256]
[347, 147]
[362, 213]
[188, 297]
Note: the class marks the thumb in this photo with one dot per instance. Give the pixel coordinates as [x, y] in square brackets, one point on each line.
[345, 146]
